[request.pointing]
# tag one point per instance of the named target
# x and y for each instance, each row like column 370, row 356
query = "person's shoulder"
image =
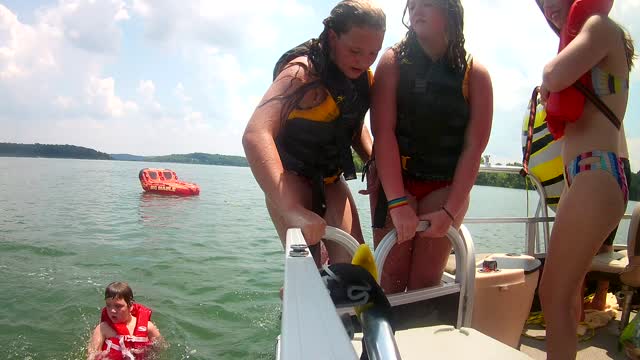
column 601, row 26
column 298, row 69
column 100, row 332
column 152, row 329
column 477, row 67
column 388, row 57
column 104, row 327
column 387, row 65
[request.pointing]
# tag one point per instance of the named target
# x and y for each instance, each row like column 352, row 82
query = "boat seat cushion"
column 446, row 342
column 610, row 262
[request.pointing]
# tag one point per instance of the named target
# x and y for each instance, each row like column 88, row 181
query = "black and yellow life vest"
column 316, row 142
column 433, row 114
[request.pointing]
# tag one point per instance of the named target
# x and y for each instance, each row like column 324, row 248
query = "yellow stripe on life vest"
column 327, row 111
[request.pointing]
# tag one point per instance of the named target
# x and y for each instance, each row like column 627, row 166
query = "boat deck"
column 604, row 345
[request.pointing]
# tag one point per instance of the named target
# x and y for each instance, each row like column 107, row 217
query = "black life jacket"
column 433, row 115
column 316, row 142
column 432, row 119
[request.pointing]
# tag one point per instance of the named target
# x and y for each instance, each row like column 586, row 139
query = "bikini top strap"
column 595, row 100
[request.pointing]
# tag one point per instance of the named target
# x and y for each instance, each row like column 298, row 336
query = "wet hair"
column 344, row 16
column 629, row 49
column 456, row 53
column 119, row 290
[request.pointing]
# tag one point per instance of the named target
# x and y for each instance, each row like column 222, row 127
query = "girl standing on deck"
column 431, row 114
column 596, row 53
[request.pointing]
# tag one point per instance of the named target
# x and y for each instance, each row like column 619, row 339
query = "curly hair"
column 456, row 53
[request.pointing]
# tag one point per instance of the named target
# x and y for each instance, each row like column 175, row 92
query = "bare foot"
column 595, row 304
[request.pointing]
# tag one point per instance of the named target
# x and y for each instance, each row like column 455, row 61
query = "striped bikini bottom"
column 608, row 161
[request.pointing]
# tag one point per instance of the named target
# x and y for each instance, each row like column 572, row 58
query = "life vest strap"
column 132, row 338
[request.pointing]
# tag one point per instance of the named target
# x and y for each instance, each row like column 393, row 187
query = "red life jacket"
column 128, row 346
column 567, row 105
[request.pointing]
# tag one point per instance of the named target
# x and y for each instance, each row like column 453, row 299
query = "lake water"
column 209, row 266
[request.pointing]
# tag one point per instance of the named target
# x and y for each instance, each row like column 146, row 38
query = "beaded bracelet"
column 447, row 212
column 395, row 203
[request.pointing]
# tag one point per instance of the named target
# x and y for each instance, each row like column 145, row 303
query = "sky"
column 157, row 77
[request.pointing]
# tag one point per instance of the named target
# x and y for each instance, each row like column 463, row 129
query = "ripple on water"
column 36, row 250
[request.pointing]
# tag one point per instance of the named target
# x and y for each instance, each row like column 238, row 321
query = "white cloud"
column 180, row 93
column 101, row 96
column 225, row 24
column 62, row 77
column 87, row 24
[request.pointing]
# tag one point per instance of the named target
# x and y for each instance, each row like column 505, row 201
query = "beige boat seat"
column 615, row 267
column 616, row 262
column 447, row 342
column 612, row 263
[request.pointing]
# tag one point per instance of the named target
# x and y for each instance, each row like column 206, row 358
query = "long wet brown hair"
column 456, row 53
column 344, row 16
column 629, row 49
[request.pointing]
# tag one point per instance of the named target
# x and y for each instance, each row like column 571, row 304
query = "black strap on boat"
column 318, row 206
column 533, row 108
column 381, row 210
column 318, row 195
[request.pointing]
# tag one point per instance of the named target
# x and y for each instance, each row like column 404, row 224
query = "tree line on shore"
column 516, row 181
column 513, row 181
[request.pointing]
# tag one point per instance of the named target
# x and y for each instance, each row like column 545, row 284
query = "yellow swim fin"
column 364, row 257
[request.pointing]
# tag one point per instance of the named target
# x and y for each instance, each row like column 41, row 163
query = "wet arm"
column 154, row 336
column 588, row 49
column 95, row 343
column 383, row 124
column 476, row 138
column 259, row 138
column 362, row 144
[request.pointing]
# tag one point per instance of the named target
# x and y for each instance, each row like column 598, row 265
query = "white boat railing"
column 533, row 242
column 311, row 328
column 464, row 279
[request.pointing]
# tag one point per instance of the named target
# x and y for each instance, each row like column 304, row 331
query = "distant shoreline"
column 79, row 152
column 512, row 181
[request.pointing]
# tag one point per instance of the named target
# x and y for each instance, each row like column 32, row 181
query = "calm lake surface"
column 209, row 266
